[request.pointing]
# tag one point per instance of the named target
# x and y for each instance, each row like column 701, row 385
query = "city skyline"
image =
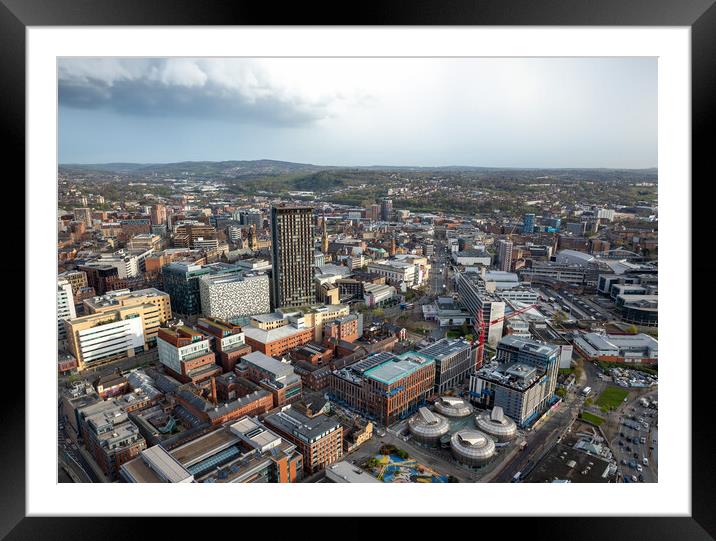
column 489, row 112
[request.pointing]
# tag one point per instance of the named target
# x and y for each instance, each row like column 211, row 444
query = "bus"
column 586, row 391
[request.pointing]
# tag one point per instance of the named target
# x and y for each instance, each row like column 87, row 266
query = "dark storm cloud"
column 192, row 88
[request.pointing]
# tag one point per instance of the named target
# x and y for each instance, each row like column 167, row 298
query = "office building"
column 504, row 255
column 194, row 234
column 319, row 439
column 521, row 380
column 235, row 295
column 158, row 214
column 76, row 278
column 528, row 224
column 385, row 387
column 479, row 302
column 65, row 307
column 279, row 341
column 276, row 377
column 103, row 337
column 243, row 451
column 109, row 434
column 181, row 281
column 229, row 340
column 618, row 348
column 156, row 307
column 386, row 209
column 454, row 360
column 292, row 253
column 83, row 215
column 186, row 354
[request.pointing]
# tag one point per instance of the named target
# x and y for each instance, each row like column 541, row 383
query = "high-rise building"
column 252, row 217
column 528, row 223
column 504, row 254
column 158, row 214
column 292, row 253
column 324, row 236
column 386, row 209
column 521, row 380
column 83, row 215
column 65, row 307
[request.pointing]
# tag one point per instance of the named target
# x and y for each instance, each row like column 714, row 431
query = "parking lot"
column 636, row 439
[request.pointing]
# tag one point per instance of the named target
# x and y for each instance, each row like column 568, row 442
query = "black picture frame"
column 699, row 15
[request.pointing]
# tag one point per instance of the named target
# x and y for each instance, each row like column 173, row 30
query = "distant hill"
column 181, row 169
column 254, row 169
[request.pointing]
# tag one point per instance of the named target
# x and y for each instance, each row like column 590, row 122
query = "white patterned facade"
column 237, row 295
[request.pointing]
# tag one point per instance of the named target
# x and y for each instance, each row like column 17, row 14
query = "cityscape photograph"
column 357, row 270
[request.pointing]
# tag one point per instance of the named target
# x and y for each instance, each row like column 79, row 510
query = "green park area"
column 611, row 398
column 591, row 418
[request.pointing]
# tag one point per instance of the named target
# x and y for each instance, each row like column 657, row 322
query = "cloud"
column 236, row 90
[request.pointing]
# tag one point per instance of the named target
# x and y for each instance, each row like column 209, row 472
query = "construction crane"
column 483, row 329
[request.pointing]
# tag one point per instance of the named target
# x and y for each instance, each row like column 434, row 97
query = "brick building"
column 319, row 438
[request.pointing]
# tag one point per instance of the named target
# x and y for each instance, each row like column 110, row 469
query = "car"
column 651, row 447
column 628, row 448
column 639, row 468
column 636, row 455
column 633, row 478
column 632, row 464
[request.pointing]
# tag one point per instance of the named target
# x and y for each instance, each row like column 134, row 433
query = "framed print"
column 273, row 259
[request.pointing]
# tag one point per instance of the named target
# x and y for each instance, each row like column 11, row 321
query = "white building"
column 395, row 272
column 375, row 294
column 472, row 257
column 172, row 356
column 473, row 296
column 128, row 264
column 235, row 295
column 111, row 339
column 65, row 307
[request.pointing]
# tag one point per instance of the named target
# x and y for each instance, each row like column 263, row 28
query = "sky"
column 492, row 112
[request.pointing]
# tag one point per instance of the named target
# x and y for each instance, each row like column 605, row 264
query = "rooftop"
column 398, row 367
column 309, row 428
column 272, row 335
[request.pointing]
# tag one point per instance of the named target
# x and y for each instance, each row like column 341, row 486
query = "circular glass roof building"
column 427, row 427
column 497, row 425
column 451, row 406
column 472, row 447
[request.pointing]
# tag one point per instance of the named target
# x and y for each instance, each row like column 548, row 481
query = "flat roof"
column 159, row 460
column 201, row 447
column 399, row 367
column 294, row 422
column 265, row 337
column 445, row 348
column 267, row 363
column 348, row 473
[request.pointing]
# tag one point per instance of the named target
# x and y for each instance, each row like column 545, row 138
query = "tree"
column 632, row 329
